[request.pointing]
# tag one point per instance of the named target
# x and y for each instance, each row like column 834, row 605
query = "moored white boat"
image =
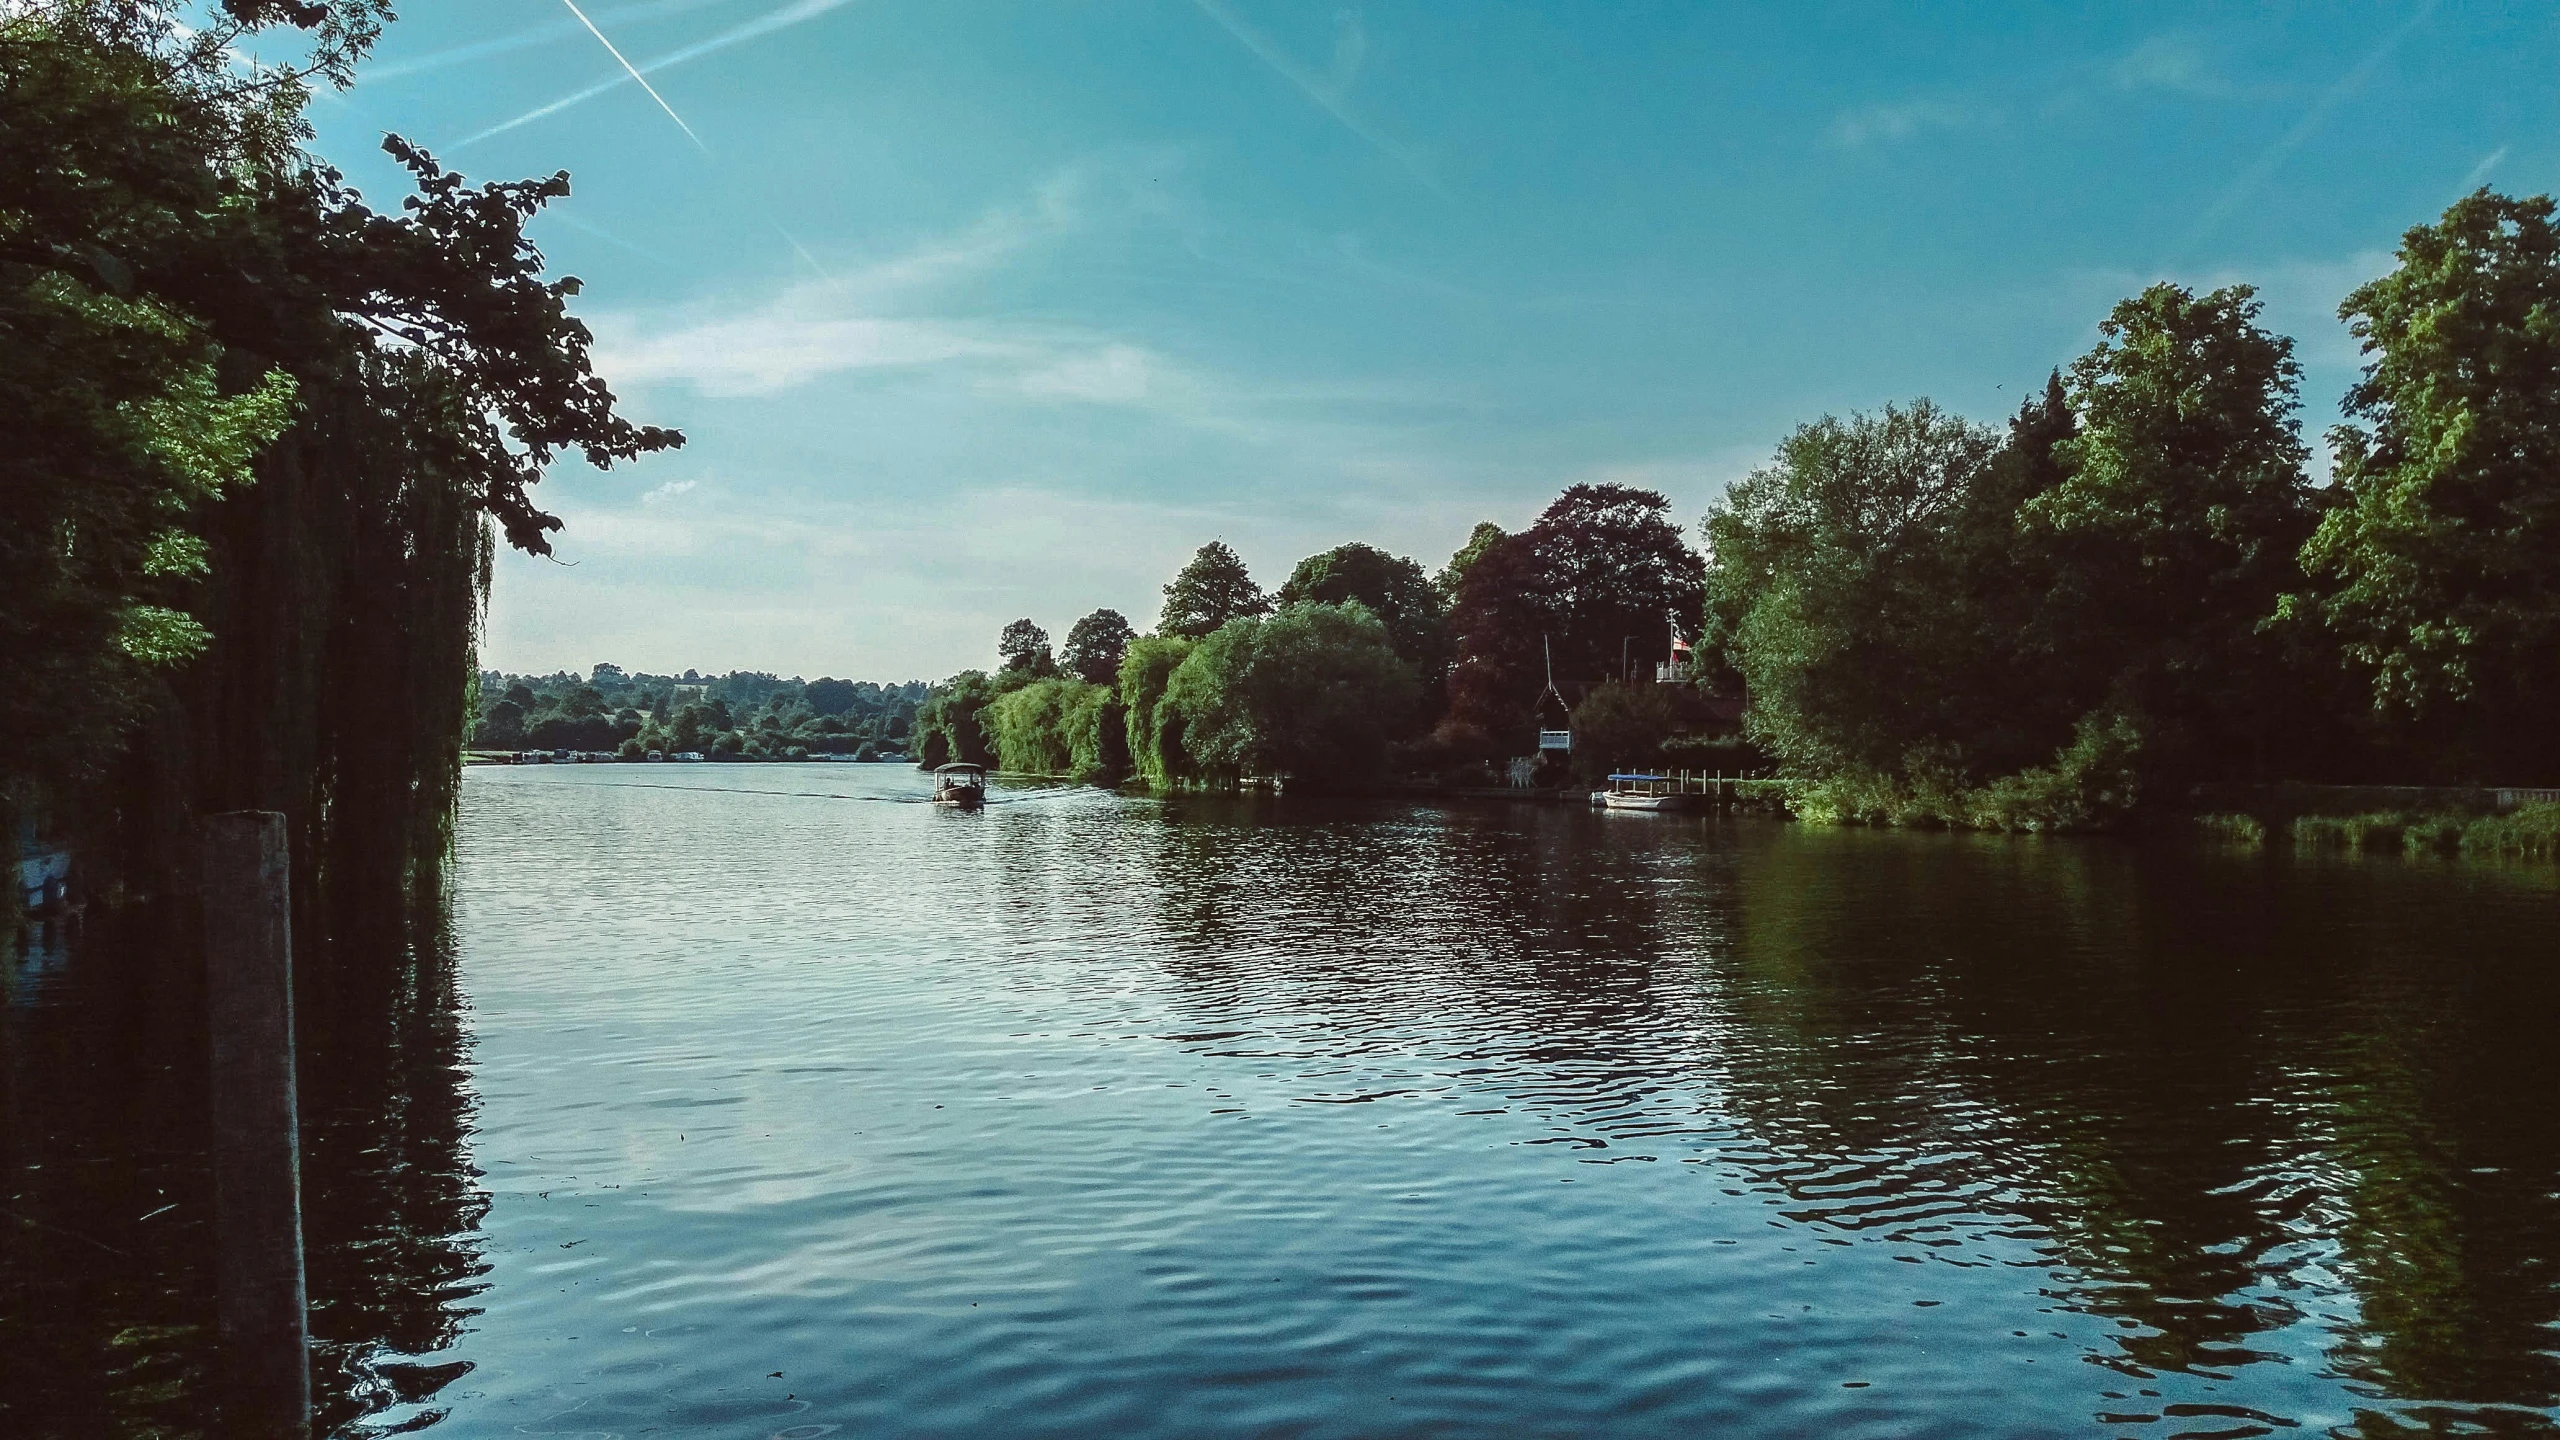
column 1653, row 793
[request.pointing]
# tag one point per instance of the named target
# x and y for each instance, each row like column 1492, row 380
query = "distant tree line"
column 1355, row 667
column 2132, row 587
column 743, row 715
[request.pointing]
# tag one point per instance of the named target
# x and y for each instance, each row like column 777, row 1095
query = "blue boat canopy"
column 1639, row 777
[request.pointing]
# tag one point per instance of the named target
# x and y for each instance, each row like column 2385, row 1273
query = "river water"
column 764, row 1101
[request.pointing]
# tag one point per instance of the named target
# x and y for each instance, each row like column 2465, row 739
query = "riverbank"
column 2529, row 831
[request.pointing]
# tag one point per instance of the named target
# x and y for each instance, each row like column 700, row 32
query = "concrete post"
column 257, row 1150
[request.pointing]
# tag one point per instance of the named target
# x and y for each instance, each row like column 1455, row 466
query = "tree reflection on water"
column 106, row 1294
column 2235, row 1126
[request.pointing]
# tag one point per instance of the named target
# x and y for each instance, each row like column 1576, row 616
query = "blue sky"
column 974, row 310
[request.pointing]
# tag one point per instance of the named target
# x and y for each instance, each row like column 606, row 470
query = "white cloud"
column 785, row 343
column 2175, row 63
column 1872, row 124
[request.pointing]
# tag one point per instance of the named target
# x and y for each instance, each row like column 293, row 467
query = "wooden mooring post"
column 257, row 1148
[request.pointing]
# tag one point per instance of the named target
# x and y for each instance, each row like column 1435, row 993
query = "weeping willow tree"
column 266, row 438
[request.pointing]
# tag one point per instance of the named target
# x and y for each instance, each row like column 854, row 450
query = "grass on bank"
column 2528, row 832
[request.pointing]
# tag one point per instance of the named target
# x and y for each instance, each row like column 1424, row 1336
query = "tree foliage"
column 1210, row 590
column 2176, row 524
column 1934, row 621
column 1600, row 583
column 1060, row 726
column 1480, row 541
column 1025, row 646
column 1392, row 588
column 1309, row 694
column 1619, row 725
column 1095, row 645
column 269, row 427
column 1843, row 590
column 2441, row 556
column 1154, row 729
column 948, row 730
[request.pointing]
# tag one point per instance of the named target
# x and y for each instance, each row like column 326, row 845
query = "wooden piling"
column 257, row 1151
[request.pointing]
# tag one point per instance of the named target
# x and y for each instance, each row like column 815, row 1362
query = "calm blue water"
column 778, row 1113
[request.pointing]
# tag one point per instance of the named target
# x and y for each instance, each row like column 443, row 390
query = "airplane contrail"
column 789, row 15
column 634, row 71
column 542, row 34
column 2265, row 166
column 1326, row 94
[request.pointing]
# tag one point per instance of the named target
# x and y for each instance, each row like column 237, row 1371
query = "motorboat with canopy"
column 961, row 785
column 1645, row 792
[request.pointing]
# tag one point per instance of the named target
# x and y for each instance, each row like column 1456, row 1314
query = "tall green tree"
column 948, row 730
column 1025, row 646
column 1621, row 725
column 1212, row 589
column 1094, row 647
column 1154, row 728
column 1843, row 591
column 1310, row 694
column 1058, row 726
column 2440, row 559
column 1392, row 587
column 176, row 270
column 2174, row 531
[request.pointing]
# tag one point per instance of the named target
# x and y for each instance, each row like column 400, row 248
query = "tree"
column 1211, row 590
column 1845, row 590
column 1154, row 729
column 1059, row 726
column 948, row 724
column 1393, row 588
column 1309, row 694
column 174, row 267
column 1621, row 725
column 1025, row 646
column 1480, row 541
column 1503, row 632
column 1617, row 575
column 503, row 727
column 2441, row 553
column 2174, row 531
column 828, row 696
column 1604, row 579
column 1095, row 645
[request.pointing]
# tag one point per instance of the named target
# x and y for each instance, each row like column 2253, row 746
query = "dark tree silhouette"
column 1212, row 589
column 1095, row 645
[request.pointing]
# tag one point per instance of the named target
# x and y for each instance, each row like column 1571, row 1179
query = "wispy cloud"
column 882, row 317
column 2247, row 184
column 2175, row 63
column 1873, row 124
column 1330, row 91
column 789, row 342
column 562, row 215
column 878, row 324
column 796, row 13
column 2481, row 172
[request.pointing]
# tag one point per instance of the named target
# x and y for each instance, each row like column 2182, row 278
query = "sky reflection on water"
column 1092, row 1115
